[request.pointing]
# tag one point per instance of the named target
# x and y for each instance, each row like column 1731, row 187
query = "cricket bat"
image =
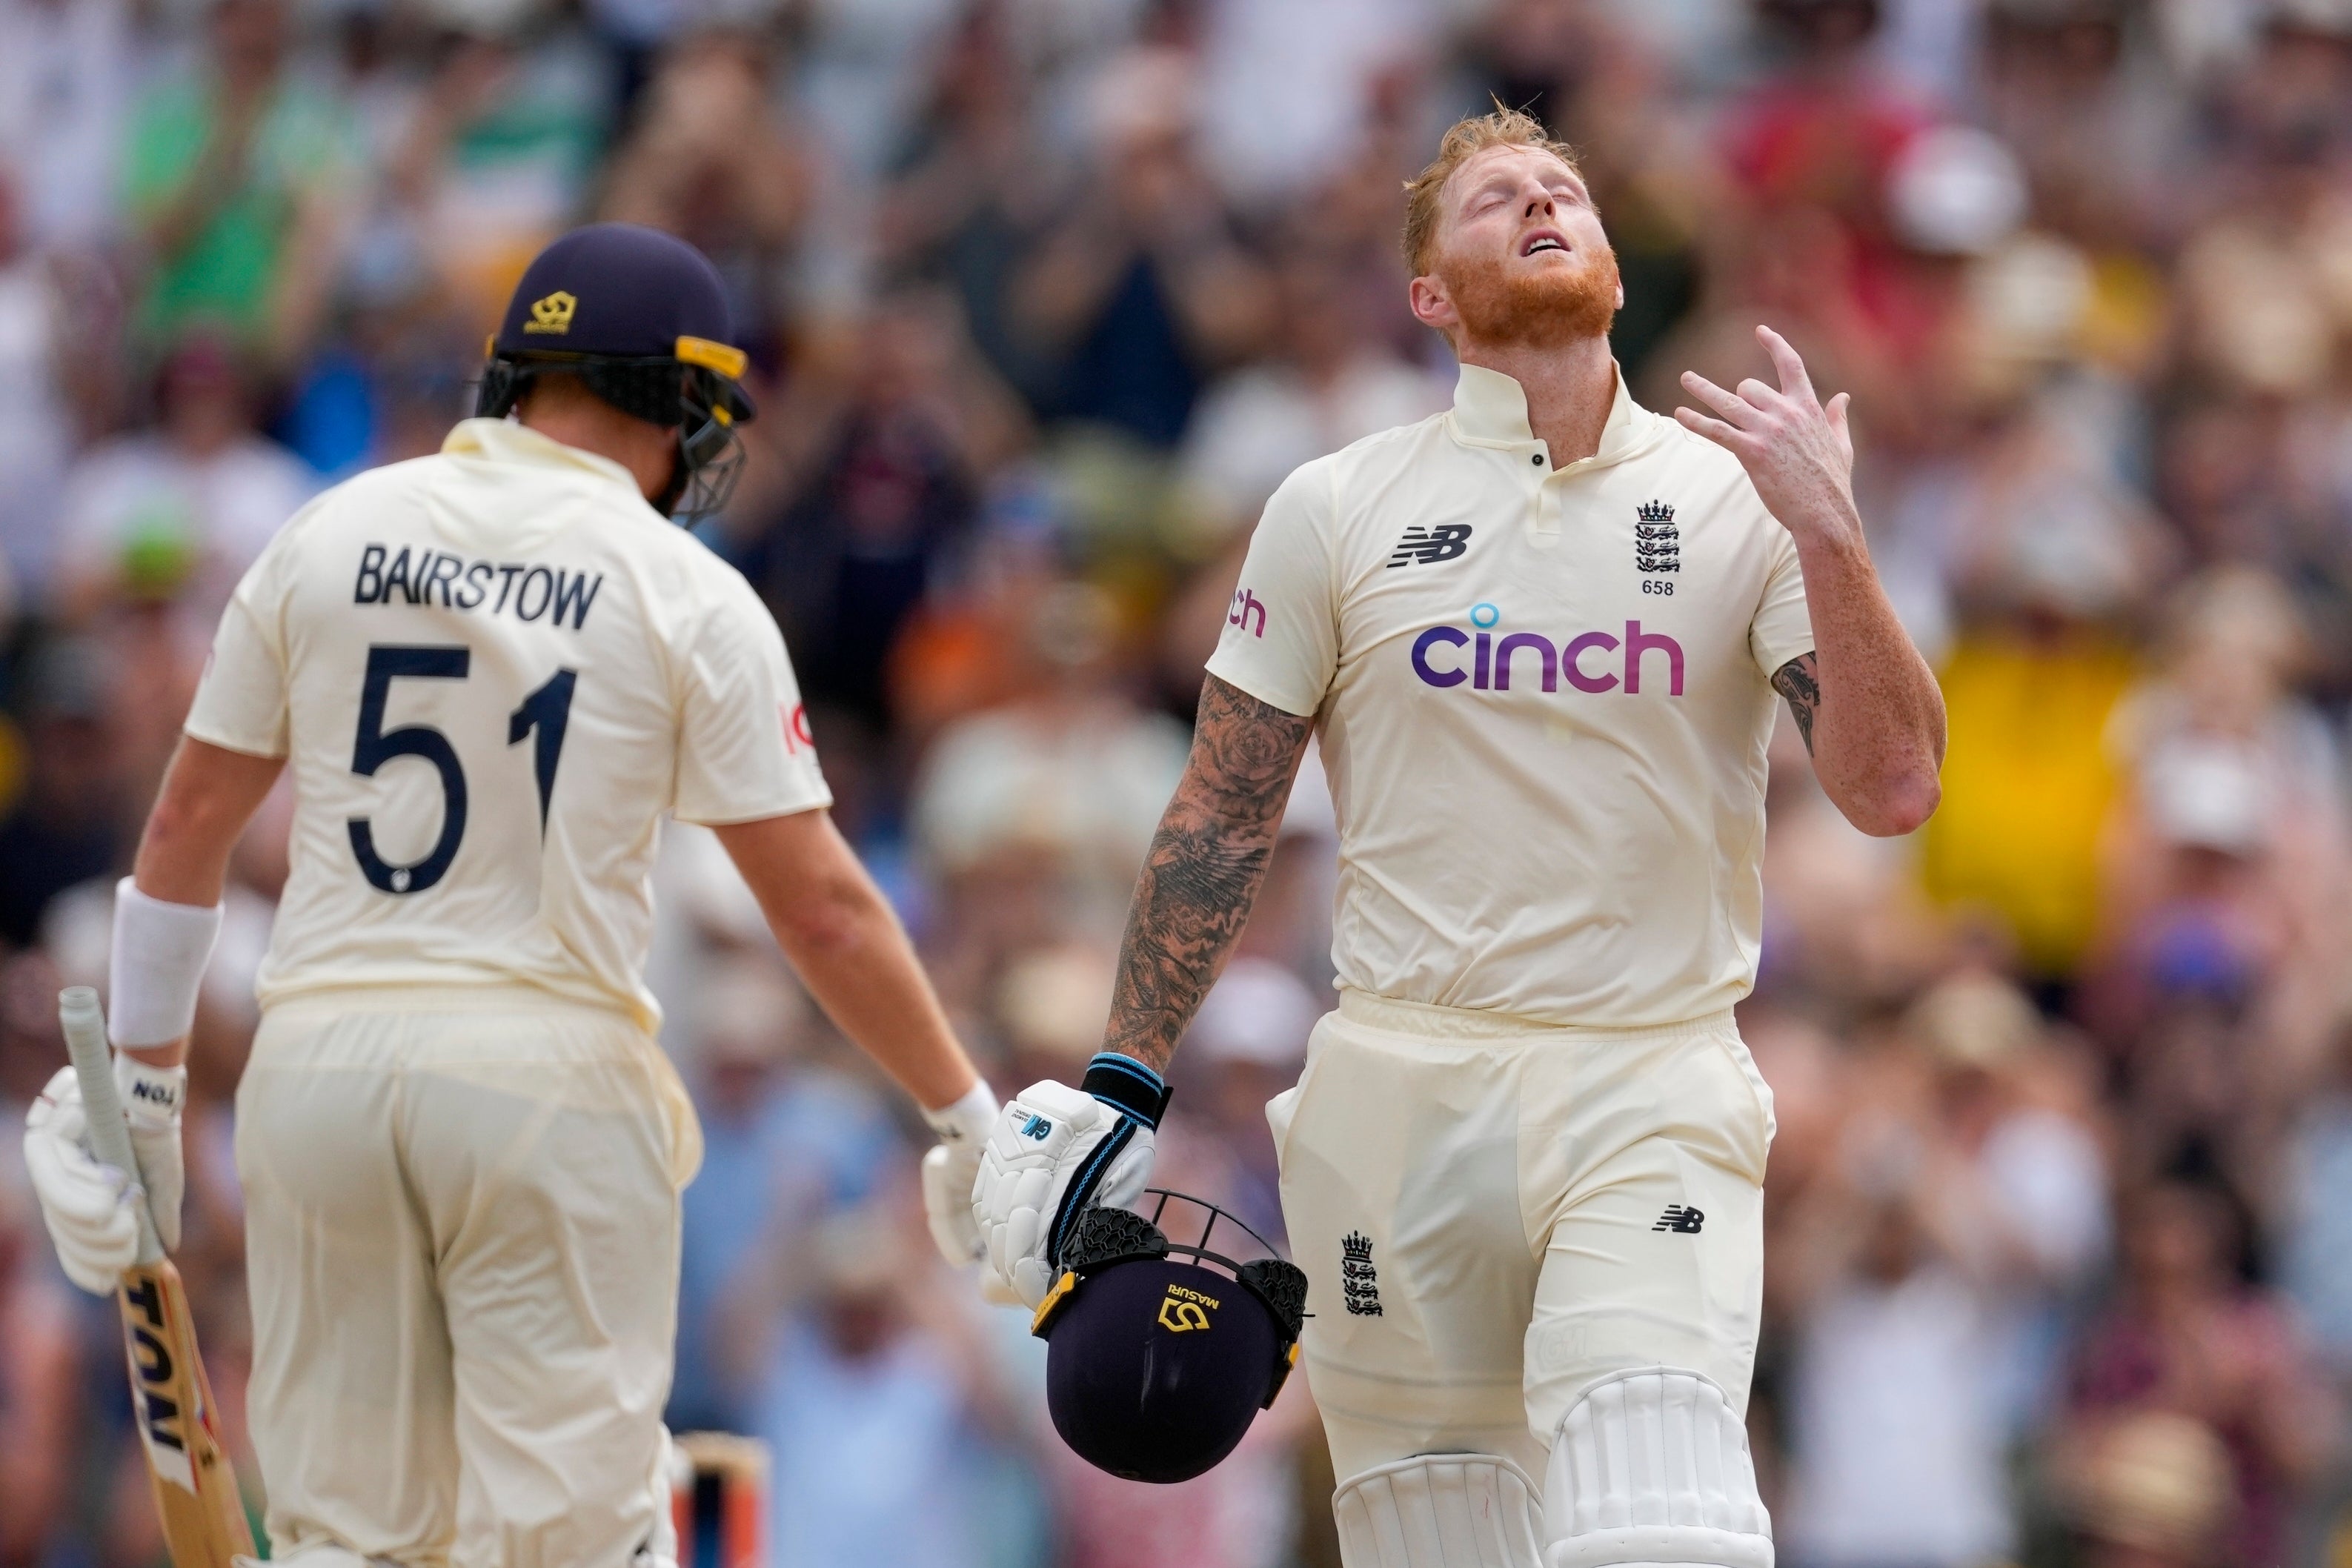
column 170, row 1402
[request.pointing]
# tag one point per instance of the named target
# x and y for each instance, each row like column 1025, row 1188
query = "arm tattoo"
column 1206, row 863
column 1799, row 680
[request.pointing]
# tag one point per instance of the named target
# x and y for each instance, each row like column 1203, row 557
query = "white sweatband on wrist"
column 969, row 1120
column 160, row 951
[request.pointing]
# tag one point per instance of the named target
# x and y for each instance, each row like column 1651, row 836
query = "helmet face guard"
column 1162, row 1353
column 694, row 392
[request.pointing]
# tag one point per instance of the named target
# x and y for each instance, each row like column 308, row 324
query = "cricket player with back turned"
column 491, row 672
column 1540, row 636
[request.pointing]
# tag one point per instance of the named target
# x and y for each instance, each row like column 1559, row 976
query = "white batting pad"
column 1439, row 1510
column 1653, row 1467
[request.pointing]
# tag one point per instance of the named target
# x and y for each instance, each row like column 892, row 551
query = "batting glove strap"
column 1128, row 1087
column 1140, row 1097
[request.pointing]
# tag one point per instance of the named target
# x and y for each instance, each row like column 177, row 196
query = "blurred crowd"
column 1043, row 297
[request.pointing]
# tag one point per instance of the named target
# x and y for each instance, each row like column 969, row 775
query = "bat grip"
column 109, row 1125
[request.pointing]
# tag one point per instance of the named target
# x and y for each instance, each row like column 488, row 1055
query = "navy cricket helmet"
column 1160, row 1354
column 641, row 318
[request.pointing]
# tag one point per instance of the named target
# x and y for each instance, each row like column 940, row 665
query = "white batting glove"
column 950, row 1169
column 88, row 1206
column 1057, row 1151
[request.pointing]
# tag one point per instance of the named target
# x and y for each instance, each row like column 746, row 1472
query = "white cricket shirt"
column 1543, row 697
column 492, row 671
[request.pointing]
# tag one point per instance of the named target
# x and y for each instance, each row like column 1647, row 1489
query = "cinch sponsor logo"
column 1590, row 661
column 1246, row 604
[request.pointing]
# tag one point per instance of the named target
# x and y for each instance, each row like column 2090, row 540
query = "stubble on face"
column 1540, row 307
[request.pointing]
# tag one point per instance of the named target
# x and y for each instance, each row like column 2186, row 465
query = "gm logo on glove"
column 1037, row 1127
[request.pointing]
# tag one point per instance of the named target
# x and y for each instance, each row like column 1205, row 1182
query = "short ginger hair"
column 1466, row 139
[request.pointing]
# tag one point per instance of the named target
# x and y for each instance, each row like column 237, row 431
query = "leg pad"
column 1652, row 1466
column 1439, row 1510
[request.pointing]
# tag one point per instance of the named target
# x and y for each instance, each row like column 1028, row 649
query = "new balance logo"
column 1358, row 1281
column 1658, row 543
column 1431, row 545
column 1683, row 1221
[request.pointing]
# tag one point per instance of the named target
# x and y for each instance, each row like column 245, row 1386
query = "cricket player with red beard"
column 1539, row 636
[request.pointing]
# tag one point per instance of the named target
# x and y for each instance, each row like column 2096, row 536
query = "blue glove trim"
column 1130, row 1087
column 1080, row 1195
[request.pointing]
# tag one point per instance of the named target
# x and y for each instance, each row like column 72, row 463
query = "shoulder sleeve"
column 1783, row 628
column 1281, row 641
column 744, row 751
column 240, row 703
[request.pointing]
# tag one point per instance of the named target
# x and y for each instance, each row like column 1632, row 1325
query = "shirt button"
column 1537, row 459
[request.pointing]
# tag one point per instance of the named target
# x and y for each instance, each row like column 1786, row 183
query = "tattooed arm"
column 1874, row 768
column 1206, row 863
column 1799, row 680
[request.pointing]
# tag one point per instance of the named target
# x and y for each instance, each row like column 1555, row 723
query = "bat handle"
column 110, row 1126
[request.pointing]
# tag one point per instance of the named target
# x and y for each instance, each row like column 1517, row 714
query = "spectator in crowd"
column 1069, row 781
column 2314, row 1224
column 1327, row 386
column 69, row 820
column 1927, row 1259
column 709, row 162
column 1139, row 292
column 174, row 517
column 499, row 150
column 68, row 69
column 881, row 1405
column 2182, row 1336
column 236, row 175
column 785, row 1143
column 2148, row 1491
column 36, row 421
column 872, row 494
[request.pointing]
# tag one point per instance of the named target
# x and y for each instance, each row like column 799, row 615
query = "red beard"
column 1540, row 309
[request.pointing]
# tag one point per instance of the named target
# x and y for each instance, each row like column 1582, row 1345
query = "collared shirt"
column 491, row 671
column 1543, row 698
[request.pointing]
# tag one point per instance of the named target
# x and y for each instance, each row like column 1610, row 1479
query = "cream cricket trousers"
column 462, row 1247
column 1494, row 1216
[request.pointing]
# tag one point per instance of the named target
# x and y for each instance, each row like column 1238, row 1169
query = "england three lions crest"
column 1657, row 544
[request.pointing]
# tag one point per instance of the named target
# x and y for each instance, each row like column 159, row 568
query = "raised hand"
column 1797, row 453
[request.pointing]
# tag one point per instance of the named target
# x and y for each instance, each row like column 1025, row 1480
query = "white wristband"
column 160, row 951
column 969, row 1120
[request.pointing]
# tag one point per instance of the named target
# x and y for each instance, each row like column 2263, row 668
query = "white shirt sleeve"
column 1281, row 641
column 744, row 749
column 240, row 703
column 1783, row 627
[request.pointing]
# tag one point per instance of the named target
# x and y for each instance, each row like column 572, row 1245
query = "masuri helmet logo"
column 1181, row 1311
column 553, row 313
